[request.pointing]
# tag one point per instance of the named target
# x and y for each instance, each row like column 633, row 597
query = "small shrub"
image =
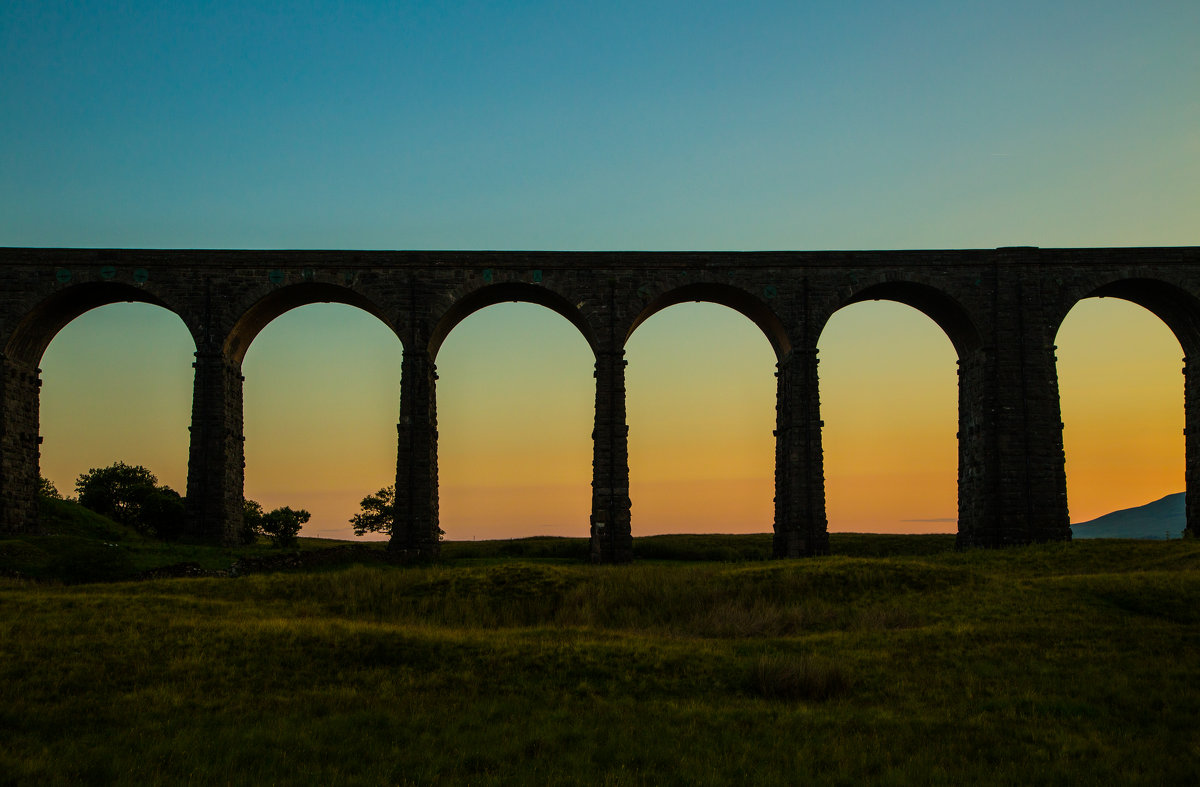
column 796, row 678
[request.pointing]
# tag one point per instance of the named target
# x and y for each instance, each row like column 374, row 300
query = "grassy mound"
column 75, row 545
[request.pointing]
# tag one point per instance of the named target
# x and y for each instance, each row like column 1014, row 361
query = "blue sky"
column 647, row 125
column 613, row 125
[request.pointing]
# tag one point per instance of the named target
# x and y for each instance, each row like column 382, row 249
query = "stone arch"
column 1177, row 308
column 940, row 307
column 293, row 296
column 889, row 412
column 38, row 328
column 489, row 295
column 727, row 295
column 702, row 391
column 20, row 386
column 957, row 324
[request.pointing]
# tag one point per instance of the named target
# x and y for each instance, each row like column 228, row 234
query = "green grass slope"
column 73, row 544
column 1052, row 664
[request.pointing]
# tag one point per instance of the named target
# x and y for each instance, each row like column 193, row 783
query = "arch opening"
column 889, row 407
column 1121, row 397
column 701, row 396
column 723, row 295
column 285, row 299
column 117, row 387
column 515, row 405
column 321, row 397
column 515, row 292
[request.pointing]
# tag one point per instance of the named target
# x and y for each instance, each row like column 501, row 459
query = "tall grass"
column 1048, row 664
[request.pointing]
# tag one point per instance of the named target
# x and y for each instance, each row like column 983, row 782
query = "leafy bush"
column 283, row 525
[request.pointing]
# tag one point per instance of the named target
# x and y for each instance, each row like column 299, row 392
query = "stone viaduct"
column 1000, row 308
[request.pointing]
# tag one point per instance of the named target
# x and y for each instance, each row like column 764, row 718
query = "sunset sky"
column 606, row 126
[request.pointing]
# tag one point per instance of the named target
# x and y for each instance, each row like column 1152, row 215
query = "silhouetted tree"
column 283, row 524
column 131, row 495
column 377, row 513
column 46, row 488
column 252, row 516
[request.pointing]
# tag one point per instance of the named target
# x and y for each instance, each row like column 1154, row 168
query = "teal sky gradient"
column 642, row 125
column 648, row 125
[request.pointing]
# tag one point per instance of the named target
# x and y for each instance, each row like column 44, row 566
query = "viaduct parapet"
column 1000, row 308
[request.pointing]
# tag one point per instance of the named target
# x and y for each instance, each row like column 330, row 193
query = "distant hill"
column 1158, row 520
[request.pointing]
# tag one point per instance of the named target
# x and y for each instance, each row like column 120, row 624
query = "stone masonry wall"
column 1000, row 308
column 19, row 446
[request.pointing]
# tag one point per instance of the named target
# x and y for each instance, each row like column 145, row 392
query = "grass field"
column 896, row 661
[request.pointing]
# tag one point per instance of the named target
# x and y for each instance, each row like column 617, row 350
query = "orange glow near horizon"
column 700, row 401
column 117, row 387
column 515, row 399
column 889, row 400
column 321, row 403
column 1121, row 388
